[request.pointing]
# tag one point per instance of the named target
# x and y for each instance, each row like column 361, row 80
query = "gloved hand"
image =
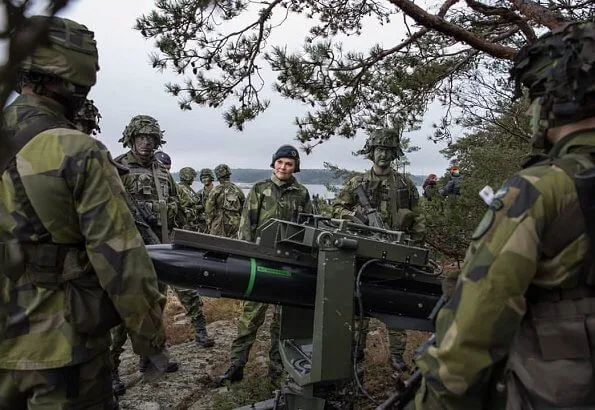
column 360, row 218
column 157, row 365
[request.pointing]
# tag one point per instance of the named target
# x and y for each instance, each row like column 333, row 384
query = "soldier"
column 206, row 177
column 188, row 199
column 153, row 192
column 395, row 197
column 87, row 118
column 164, row 159
column 281, row 197
column 73, row 264
column 191, row 298
column 223, row 208
column 517, row 331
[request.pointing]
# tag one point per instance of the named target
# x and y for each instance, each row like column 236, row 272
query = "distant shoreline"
column 306, row 176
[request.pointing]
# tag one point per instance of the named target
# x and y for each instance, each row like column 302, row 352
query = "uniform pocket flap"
column 562, row 337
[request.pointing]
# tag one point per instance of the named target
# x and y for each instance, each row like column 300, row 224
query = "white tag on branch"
column 487, row 194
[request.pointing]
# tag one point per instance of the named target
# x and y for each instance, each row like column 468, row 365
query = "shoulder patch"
column 484, row 225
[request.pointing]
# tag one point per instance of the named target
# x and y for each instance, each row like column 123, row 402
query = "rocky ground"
column 193, row 387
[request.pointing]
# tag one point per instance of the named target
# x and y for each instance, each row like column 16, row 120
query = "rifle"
column 370, row 212
column 162, row 207
column 163, row 217
column 407, row 390
column 143, row 218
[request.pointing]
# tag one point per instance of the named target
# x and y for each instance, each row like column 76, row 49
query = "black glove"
column 360, row 218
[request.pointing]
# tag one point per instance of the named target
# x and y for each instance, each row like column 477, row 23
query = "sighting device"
column 323, row 272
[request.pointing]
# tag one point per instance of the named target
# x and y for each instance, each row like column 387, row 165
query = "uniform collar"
column 280, row 183
column 374, row 175
column 573, row 142
column 134, row 159
column 43, row 104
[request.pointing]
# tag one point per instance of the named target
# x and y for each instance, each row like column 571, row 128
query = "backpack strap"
column 13, row 143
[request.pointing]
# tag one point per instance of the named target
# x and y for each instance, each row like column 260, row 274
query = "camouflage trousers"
column 190, row 299
column 227, row 229
column 119, row 335
column 397, row 340
column 83, row 386
column 253, row 316
column 193, row 305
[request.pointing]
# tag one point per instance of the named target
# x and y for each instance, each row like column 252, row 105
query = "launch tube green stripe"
column 252, row 277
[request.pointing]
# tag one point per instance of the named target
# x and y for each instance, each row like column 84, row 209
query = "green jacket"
column 388, row 194
column 75, row 190
column 223, row 209
column 273, row 198
column 478, row 329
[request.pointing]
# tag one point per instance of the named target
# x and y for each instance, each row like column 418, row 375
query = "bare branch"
column 434, row 22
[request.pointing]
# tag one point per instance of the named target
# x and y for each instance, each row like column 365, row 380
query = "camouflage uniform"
column 190, row 298
column 139, row 182
column 188, row 199
column 67, row 230
column 223, row 208
column 87, row 118
column 396, row 198
column 140, row 185
column 267, row 199
column 518, row 330
column 203, row 194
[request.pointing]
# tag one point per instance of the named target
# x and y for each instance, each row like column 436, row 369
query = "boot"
column 235, row 373
column 202, row 338
column 143, row 363
column 117, row 384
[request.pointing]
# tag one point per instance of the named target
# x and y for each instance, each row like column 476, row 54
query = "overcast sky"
column 127, row 85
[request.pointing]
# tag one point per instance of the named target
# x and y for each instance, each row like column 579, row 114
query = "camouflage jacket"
column 387, row 194
column 74, row 189
column 223, row 209
column 273, row 198
column 507, row 266
column 140, row 184
column 189, row 206
column 203, row 194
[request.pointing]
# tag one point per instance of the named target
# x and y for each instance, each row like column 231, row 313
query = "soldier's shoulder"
column 545, row 176
column 69, row 141
column 123, row 158
column 354, row 181
column 216, row 189
column 406, row 177
column 301, row 187
column 545, row 182
column 262, row 184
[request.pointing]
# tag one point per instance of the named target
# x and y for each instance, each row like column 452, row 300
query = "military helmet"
column 163, row 158
column 382, row 137
column 222, row 171
column 87, row 118
column 207, row 172
column 558, row 70
column 70, row 54
column 141, row 124
column 187, row 174
column 287, row 151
